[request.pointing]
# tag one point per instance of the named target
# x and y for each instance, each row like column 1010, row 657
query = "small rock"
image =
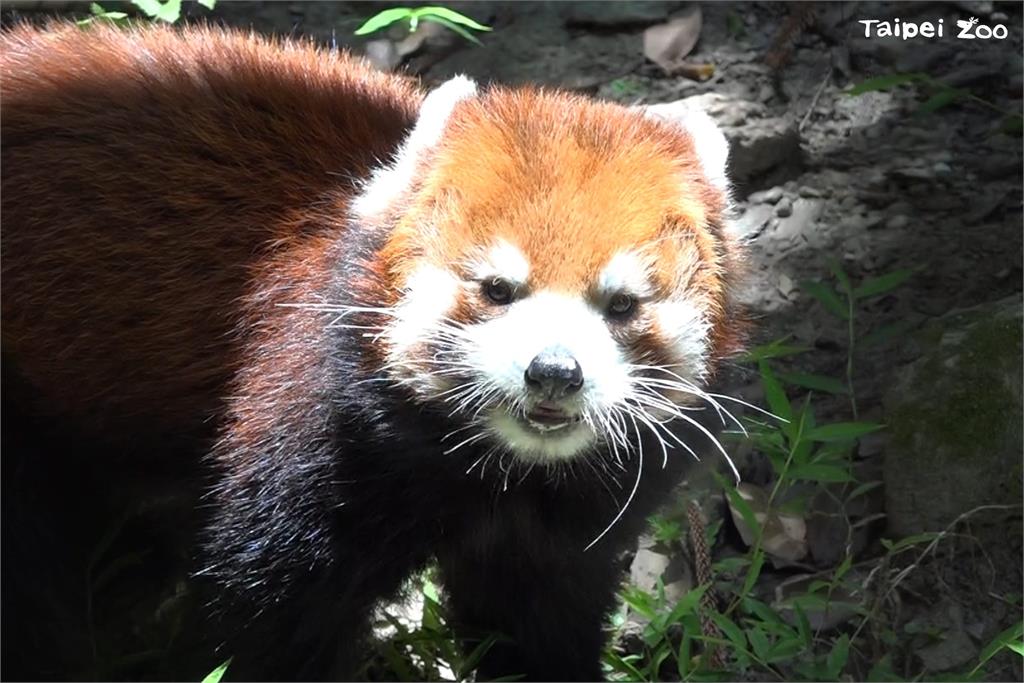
column 786, row 285
column 766, row 196
column 383, row 54
column 873, row 219
column 805, row 213
column 753, row 219
column 784, row 209
column 897, row 222
column 808, row 192
column 955, row 650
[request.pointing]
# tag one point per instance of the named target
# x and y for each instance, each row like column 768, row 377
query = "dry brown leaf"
column 784, row 536
column 668, row 44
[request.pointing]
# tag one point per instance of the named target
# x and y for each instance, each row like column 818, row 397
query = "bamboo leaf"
column 884, row 83
column 838, row 656
column 774, row 393
column 939, row 100
column 827, row 297
column 882, row 284
column 842, row 431
column 816, row 382
column 820, row 473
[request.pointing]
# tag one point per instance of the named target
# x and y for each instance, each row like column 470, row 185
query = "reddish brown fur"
column 571, row 182
column 121, row 324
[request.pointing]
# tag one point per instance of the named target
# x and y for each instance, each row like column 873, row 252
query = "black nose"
column 554, row 373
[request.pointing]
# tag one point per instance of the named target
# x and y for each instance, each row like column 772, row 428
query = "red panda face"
column 561, row 267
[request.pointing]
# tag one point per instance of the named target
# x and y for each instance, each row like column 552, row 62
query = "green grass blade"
column 884, row 83
column 828, row 298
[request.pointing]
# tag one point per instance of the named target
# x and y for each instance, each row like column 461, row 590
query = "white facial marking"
column 501, row 350
column 502, row 260
column 429, row 294
column 388, row 182
column 627, row 272
column 685, row 331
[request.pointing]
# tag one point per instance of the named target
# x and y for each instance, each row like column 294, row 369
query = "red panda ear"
column 387, row 183
column 709, row 141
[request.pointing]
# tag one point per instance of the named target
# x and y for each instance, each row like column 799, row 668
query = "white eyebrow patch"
column 502, row 260
column 627, row 271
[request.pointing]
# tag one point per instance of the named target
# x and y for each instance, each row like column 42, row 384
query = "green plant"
column 459, row 23
column 939, row 94
column 167, row 11
column 840, row 299
column 429, row 650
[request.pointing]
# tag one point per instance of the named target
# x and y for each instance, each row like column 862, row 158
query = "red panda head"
column 559, row 269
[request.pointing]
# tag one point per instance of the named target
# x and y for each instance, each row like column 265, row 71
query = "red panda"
column 471, row 327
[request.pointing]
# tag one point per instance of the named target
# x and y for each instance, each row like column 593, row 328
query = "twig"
column 814, row 101
column 904, row 573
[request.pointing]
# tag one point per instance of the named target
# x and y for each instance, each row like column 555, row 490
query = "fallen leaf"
column 784, row 536
column 668, row 44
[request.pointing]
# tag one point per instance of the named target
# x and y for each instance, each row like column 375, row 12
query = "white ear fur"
column 711, row 145
column 388, row 182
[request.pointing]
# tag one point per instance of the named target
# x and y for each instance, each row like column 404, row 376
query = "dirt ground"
column 866, row 181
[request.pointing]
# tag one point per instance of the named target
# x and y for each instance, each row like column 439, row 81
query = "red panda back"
column 156, row 184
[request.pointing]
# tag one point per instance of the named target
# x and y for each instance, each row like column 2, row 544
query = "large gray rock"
column 954, row 419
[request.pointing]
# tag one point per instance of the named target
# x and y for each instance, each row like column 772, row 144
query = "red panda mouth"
column 548, row 417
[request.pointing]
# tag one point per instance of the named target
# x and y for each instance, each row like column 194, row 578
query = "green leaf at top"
column 819, row 472
column 453, row 27
column 816, row 382
column 208, row 4
column 382, row 19
column 882, row 284
column 774, row 349
column 218, row 673
column 169, row 11
column 884, row 83
column 449, row 15
column 842, row 431
column 828, row 298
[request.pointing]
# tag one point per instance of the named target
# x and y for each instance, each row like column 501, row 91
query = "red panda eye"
column 621, row 306
column 498, row 291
